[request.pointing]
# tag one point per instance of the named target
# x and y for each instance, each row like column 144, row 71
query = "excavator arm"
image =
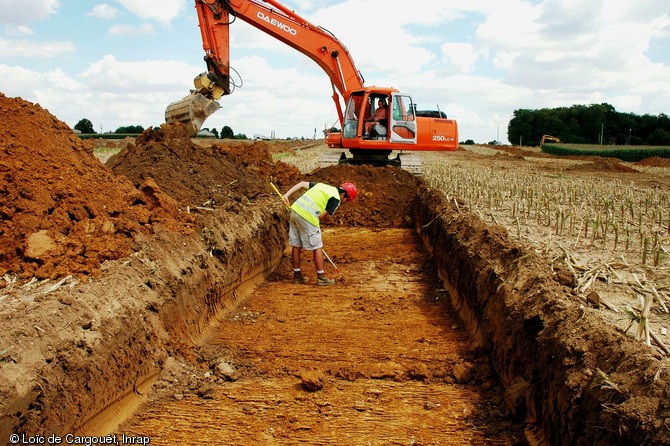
column 215, row 17
column 548, row 137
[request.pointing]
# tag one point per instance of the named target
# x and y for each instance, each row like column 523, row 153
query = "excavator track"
column 411, row 162
column 331, row 157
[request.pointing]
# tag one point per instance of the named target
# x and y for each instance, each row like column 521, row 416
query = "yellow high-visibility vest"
column 313, row 202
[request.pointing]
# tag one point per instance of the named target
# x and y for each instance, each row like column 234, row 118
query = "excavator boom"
column 215, row 17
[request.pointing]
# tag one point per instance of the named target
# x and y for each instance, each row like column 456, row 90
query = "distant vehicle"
column 546, row 137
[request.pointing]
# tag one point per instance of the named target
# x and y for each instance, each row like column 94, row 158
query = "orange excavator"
column 402, row 129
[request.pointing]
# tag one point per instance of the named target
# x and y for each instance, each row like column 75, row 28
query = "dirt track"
column 113, row 277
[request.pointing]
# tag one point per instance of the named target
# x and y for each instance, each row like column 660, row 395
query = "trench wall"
column 156, row 303
column 545, row 347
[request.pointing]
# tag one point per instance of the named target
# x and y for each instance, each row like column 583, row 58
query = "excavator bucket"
column 192, row 111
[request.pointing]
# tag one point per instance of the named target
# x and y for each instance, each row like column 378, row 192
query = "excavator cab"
column 377, row 116
column 399, row 125
column 352, row 114
column 371, row 141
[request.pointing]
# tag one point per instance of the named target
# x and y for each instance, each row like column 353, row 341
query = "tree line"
column 592, row 124
column 85, row 126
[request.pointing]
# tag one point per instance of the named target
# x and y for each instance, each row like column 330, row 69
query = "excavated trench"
column 439, row 333
column 378, row 359
column 440, row 330
column 443, row 333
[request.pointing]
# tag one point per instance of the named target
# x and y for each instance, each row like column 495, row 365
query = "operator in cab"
column 378, row 117
column 307, row 211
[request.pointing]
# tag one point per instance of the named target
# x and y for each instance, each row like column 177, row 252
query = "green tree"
column 664, row 122
column 520, row 128
column 84, row 126
column 659, row 137
column 227, row 132
column 130, row 129
column 591, row 124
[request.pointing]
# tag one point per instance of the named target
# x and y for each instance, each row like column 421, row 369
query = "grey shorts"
column 303, row 234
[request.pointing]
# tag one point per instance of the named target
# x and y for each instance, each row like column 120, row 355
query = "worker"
column 379, row 116
column 307, row 212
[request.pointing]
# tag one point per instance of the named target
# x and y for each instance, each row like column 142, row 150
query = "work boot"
column 324, row 281
column 300, row 279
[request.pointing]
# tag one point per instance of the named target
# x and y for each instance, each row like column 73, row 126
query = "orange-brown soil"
column 163, row 276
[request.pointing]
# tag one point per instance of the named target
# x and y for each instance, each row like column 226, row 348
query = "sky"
column 121, row 62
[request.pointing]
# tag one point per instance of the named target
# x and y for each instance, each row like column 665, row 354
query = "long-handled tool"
column 287, row 207
column 280, row 195
column 331, row 262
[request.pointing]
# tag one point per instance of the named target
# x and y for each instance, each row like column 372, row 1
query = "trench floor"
column 389, row 360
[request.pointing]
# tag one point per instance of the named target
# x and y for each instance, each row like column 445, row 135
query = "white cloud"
column 38, row 87
column 19, row 30
column 162, row 11
column 287, row 101
column 114, row 76
column 460, row 56
column 30, row 48
column 13, row 12
column 477, row 60
column 18, row 81
column 145, row 29
column 110, row 93
column 103, row 11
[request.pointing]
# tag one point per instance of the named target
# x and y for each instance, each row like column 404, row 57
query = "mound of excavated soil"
column 215, row 177
column 62, row 211
column 385, row 195
column 602, row 165
column 227, row 175
column 654, row 161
